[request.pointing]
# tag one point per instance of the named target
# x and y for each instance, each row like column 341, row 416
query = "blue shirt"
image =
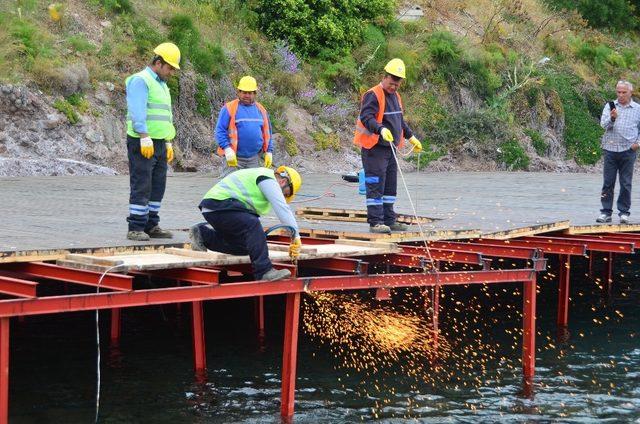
column 249, row 122
column 137, row 95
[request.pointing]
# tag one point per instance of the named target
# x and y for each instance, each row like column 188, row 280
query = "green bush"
column 145, row 36
column 311, row 28
column 582, row 130
column 342, row 74
column 443, row 48
column 117, row 6
column 67, row 109
column 325, row 141
column 208, row 59
column 513, row 156
column 32, row 42
column 80, row 44
column 538, row 142
column 203, row 107
column 290, row 144
column 481, row 127
column 79, row 101
column 426, row 156
column 617, row 15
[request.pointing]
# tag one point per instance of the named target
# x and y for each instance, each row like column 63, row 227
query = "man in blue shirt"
column 150, row 131
column 243, row 130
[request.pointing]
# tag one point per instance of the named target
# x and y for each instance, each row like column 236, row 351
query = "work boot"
column 398, row 226
column 603, row 218
column 276, row 274
column 138, row 236
column 380, row 229
column 196, row 239
column 157, row 232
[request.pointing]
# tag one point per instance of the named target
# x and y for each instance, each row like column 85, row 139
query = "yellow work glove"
column 169, row 151
column 146, row 147
column 294, row 248
column 268, row 159
column 417, row 146
column 230, row 156
column 386, row 134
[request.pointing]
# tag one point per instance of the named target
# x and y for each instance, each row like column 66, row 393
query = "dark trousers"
column 617, row 163
column 381, row 179
column 147, row 181
column 237, row 233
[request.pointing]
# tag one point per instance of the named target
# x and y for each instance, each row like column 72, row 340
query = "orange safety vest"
column 365, row 138
column 232, row 108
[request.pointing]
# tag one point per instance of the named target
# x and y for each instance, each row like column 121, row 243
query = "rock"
column 94, row 136
column 105, row 24
column 53, row 121
column 103, row 97
column 299, row 124
column 109, row 86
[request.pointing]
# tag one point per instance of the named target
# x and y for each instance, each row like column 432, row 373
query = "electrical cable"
column 98, row 375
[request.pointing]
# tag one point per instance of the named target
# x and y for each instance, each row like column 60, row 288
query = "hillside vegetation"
column 492, row 84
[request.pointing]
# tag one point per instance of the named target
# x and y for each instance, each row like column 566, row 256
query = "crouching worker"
column 233, row 206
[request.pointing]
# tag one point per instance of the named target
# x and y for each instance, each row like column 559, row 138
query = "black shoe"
column 276, row 274
column 196, row 239
column 398, row 226
column 138, row 236
column 157, row 232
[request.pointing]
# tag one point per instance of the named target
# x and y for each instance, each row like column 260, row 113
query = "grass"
column 67, row 110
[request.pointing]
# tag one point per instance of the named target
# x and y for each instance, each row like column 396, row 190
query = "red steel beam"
column 563, row 290
column 351, row 266
column 197, row 321
column 191, row 275
column 4, row 370
column 399, row 259
column 591, row 244
column 448, row 255
column 290, row 355
column 72, row 275
column 84, row 302
column 529, row 328
column 568, row 248
column 17, row 287
column 115, row 326
column 624, row 237
column 489, row 249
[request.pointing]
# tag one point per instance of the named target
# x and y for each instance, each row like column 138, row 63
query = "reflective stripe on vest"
column 362, row 136
column 159, row 115
column 241, row 185
column 232, row 108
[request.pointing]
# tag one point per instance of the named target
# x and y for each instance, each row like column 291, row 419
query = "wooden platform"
column 184, row 258
column 354, row 215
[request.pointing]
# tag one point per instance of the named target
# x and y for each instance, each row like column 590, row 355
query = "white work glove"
column 230, row 156
column 386, row 134
column 146, row 147
column 169, row 151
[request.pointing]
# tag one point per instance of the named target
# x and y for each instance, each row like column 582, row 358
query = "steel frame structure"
column 199, row 284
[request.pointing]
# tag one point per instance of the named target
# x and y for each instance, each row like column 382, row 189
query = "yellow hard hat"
column 396, row 67
column 294, row 178
column 170, row 53
column 247, row 83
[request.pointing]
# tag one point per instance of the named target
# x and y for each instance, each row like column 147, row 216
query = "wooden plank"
column 93, row 260
column 602, row 228
column 527, row 230
column 184, row 258
column 285, row 248
column 354, row 215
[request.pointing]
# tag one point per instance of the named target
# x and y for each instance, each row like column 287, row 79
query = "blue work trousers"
column 617, row 163
column 147, row 181
column 381, row 179
column 237, row 233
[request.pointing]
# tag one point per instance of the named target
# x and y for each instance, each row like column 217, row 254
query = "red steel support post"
column 610, row 272
column 200, row 358
column 4, row 370
column 290, row 355
column 563, row 290
column 529, row 328
column 115, row 326
column 260, row 314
